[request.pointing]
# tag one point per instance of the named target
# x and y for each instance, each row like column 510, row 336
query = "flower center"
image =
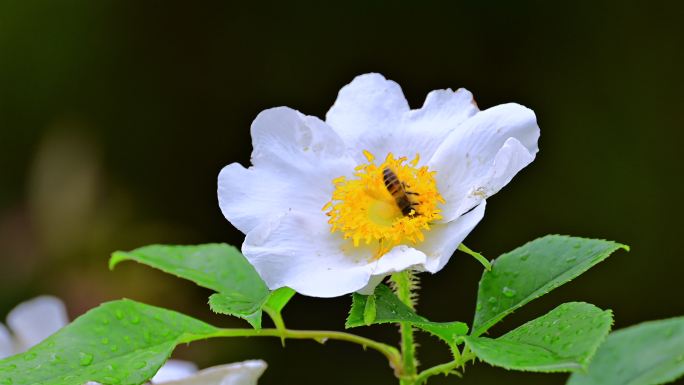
column 388, row 204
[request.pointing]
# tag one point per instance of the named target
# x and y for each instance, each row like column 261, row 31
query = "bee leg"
column 406, row 189
column 412, row 210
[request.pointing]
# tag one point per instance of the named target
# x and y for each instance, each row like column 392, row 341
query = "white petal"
column 372, row 114
column 6, row 343
column 34, row 320
column 365, row 110
column 372, row 283
column 241, row 373
column 295, row 161
column 483, row 155
column 174, row 370
column 511, row 158
column 285, row 138
column 424, row 130
column 298, row 251
column 398, row 259
column 443, row 239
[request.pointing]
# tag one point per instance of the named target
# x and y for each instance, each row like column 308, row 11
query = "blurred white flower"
column 31, row 322
column 240, row 373
column 331, row 207
column 34, row 320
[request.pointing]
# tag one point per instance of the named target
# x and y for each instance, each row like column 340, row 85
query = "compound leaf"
column 533, row 270
column 564, row 339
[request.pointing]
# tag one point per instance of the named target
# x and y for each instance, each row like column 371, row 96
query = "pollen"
column 385, row 205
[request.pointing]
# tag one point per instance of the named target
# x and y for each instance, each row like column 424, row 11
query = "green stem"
column 320, row 336
column 404, row 285
column 408, row 353
column 480, row 258
column 446, row 368
column 277, row 321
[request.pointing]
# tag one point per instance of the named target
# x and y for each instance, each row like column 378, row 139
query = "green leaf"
column 238, row 306
column 533, row 270
column 563, row 340
column 370, row 311
column 118, row 343
column 650, row 353
column 220, row 267
column 274, row 305
column 389, row 309
column 278, row 299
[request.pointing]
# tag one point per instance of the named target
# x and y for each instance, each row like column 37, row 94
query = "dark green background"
column 116, row 117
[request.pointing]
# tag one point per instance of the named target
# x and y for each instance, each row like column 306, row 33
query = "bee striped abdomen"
column 396, row 188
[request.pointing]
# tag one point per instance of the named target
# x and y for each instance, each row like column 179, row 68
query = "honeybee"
column 399, row 192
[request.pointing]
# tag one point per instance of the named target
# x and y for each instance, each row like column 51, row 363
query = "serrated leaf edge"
column 581, row 367
column 539, row 293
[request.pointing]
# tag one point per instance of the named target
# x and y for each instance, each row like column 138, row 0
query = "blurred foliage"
column 116, row 116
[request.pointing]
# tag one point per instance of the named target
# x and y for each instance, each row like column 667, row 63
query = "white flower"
column 31, row 322
column 34, row 320
column 323, row 215
column 176, row 372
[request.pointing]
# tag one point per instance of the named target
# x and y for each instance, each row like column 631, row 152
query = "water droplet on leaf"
column 111, row 380
column 508, row 292
column 85, row 359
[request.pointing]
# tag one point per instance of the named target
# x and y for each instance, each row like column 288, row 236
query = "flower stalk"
column 321, row 336
column 404, row 284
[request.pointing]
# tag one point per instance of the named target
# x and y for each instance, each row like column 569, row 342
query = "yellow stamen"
column 368, row 156
column 364, row 210
column 415, row 160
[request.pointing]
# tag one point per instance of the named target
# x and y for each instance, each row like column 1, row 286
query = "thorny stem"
column 404, row 363
column 446, row 368
column 320, row 336
column 404, row 283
